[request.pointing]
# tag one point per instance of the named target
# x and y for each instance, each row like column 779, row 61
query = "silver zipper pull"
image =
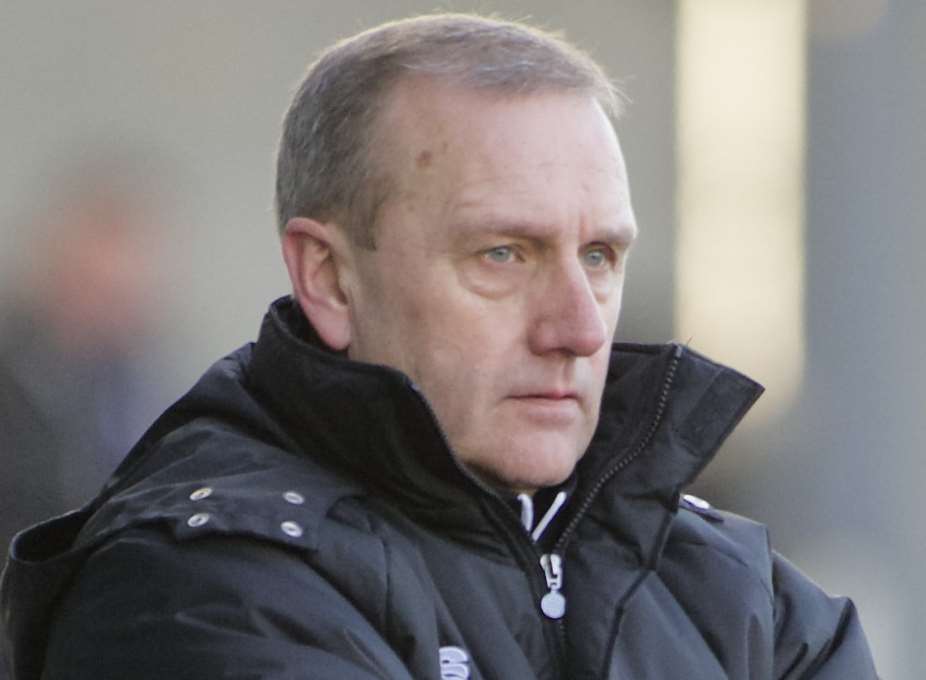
column 553, row 604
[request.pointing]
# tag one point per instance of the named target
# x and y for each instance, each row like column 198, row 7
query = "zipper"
column 546, row 591
column 525, row 550
column 553, row 604
column 619, row 465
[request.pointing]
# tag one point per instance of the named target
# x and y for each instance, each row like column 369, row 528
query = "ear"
column 315, row 254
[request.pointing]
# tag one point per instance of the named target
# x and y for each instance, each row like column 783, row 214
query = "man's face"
column 497, row 278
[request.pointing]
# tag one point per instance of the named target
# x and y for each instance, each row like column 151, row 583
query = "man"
column 432, row 463
column 77, row 383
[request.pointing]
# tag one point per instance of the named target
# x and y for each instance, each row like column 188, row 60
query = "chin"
column 525, row 463
column 535, row 474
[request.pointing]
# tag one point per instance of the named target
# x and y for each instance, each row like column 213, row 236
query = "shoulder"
column 713, row 546
column 212, row 606
column 725, row 562
column 236, row 540
column 209, row 478
column 699, row 521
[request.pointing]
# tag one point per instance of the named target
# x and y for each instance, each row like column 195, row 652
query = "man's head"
column 330, row 165
column 479, row 240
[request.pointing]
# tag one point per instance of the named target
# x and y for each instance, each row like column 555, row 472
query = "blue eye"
column 595, row 258
column 500, row 254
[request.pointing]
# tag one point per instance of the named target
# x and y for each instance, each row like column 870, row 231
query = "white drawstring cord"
column 550, row 514
column 527, row 511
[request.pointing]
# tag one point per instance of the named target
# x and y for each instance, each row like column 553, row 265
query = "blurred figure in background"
column 75, row 330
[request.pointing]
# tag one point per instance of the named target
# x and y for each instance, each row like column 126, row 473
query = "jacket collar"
column 367, row 420
column 371, row 421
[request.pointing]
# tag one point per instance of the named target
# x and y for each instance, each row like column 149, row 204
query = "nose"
column 568, row 318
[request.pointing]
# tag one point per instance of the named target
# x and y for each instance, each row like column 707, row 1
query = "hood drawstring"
column 527, row 513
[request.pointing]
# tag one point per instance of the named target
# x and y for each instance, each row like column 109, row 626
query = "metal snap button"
column 199, row 494
column 294, row 497
column 198, row 519
column 291, row 529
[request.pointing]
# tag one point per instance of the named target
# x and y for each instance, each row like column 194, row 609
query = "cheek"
column 448, row 340
column 594, row 381
column 613, row 307
column 458, row 378
column 461, row 331
column 389, row 318
column 432, row 348
column 454, row 395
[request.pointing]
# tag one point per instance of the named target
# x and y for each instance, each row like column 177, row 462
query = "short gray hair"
column 325, row 165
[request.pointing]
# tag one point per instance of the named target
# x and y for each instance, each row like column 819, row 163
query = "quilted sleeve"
column 816, row 636
column 147, row 607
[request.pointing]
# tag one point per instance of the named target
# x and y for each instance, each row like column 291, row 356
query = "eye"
column 500, row 254
column 597, row 257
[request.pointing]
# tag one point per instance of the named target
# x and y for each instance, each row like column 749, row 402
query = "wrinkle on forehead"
column 449, row 164
column 599, row 194
column 424, row 112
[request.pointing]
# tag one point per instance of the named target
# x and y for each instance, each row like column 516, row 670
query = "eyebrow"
column 622, row 234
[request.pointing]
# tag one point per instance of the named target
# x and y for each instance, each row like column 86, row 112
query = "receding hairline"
column 401, row 98
column 568, row 68
column 485, row 54
column 415, row 130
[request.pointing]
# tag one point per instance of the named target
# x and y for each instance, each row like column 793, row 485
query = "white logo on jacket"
column 454, row 664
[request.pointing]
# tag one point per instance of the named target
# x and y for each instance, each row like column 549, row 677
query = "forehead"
column 462, row 152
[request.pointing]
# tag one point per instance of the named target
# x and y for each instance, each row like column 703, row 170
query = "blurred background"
column 777, row 157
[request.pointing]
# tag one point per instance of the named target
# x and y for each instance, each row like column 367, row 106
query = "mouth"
column 548, row 408
column 549, row 395
column 549, row 400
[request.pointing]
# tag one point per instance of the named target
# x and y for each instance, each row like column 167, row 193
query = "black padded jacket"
column 299, row 515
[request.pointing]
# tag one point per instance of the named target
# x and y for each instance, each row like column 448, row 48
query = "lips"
column 551, row 395
column 548, row 409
